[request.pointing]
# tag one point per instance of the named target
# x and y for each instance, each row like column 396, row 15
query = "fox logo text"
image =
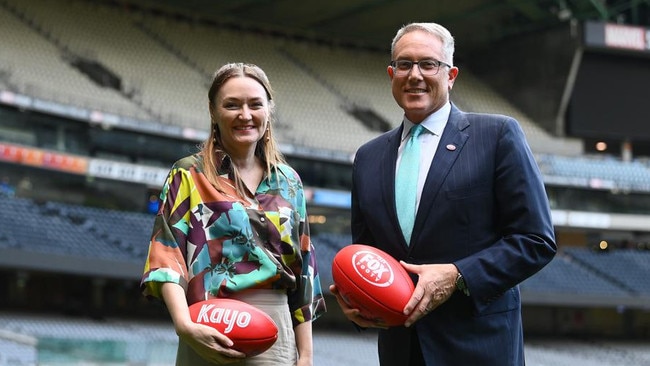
column 211, row 313
column 373, row 268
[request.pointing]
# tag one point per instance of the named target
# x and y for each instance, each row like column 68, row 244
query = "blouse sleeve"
column 306, row 302
column 166, row 260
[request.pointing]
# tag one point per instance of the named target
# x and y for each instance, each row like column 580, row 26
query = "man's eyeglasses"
column 427, row 67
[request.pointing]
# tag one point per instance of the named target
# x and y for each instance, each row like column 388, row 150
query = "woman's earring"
column 268, row 135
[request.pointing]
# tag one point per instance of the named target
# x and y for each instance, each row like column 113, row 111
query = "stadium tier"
column 317, row 86
column 83, row 233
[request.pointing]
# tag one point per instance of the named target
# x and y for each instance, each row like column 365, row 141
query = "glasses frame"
column 438, row 63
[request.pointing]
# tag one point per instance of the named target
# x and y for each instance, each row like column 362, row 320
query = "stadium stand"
column 17, row 354
column 137, row 342
column 143, row 343
column 302, row 99
column 104, row 35
column 121, row 236
column 317, row 88
column 628, row 268
column 47, row 74
column 75, row 230
column 318, row 82
column 585, row 353
column 475, row 96
column 565, row 276
column 632, row 175
column 70, row 230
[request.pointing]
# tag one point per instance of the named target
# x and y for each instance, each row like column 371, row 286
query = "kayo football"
column 251, row 330
column 372, row 281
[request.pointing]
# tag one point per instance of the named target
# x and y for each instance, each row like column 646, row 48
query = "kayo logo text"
column 211, row 313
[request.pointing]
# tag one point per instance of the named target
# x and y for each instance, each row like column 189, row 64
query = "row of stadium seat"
column 115, row 235
column 35, row 66
column 66, row 340
column 312, row 92
column 633, row 175
column 78, row 231
column 164, row 65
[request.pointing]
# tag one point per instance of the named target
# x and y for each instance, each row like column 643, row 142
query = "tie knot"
column 416, row 131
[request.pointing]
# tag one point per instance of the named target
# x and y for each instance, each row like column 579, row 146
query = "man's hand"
column 354, row 315
column 436, row 284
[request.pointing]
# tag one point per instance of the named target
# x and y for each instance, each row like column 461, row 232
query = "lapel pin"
column 451, row 147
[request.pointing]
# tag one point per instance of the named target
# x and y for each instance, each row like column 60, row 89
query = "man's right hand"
column 354, row 315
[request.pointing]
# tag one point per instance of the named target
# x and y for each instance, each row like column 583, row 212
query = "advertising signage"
column 614, row 37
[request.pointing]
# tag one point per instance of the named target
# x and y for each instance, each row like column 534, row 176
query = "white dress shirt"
column 433, row 125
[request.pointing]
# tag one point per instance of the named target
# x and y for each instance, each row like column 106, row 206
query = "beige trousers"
column 282, row 353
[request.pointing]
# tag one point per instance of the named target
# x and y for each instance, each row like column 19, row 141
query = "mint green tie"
column 406, row 183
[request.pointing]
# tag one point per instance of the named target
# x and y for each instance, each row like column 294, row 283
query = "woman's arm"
column 304, row 343
column 204, row 340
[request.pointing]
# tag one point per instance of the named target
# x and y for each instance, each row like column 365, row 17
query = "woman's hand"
column 208, row 343
column 204, row 340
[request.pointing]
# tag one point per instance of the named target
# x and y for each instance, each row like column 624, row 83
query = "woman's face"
column 242, row 113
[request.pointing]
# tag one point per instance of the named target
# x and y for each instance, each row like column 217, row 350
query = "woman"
column 232, row 223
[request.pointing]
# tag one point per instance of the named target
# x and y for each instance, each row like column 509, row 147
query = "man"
column 479, row 225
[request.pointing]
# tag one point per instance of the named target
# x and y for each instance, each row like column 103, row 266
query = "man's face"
column 417, row 94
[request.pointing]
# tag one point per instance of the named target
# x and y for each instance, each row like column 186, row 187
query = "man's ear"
column 453, row 73
column 390, row 72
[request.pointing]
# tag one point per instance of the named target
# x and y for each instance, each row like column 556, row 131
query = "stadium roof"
column 372, row 23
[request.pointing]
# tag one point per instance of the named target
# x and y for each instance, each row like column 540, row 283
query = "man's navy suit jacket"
column 483, row 208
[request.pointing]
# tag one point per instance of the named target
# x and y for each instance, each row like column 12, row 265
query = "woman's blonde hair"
column 212, row 150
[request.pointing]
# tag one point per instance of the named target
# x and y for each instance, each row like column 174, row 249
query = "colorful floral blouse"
column 215, row 243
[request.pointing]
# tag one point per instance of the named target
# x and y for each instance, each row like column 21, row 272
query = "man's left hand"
column 436, row 284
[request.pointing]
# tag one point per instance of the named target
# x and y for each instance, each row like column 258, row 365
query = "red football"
column 251, row 330
column 372, row 281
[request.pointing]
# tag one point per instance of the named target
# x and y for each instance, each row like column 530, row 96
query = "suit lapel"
column 388, row 176
column 451, row 143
